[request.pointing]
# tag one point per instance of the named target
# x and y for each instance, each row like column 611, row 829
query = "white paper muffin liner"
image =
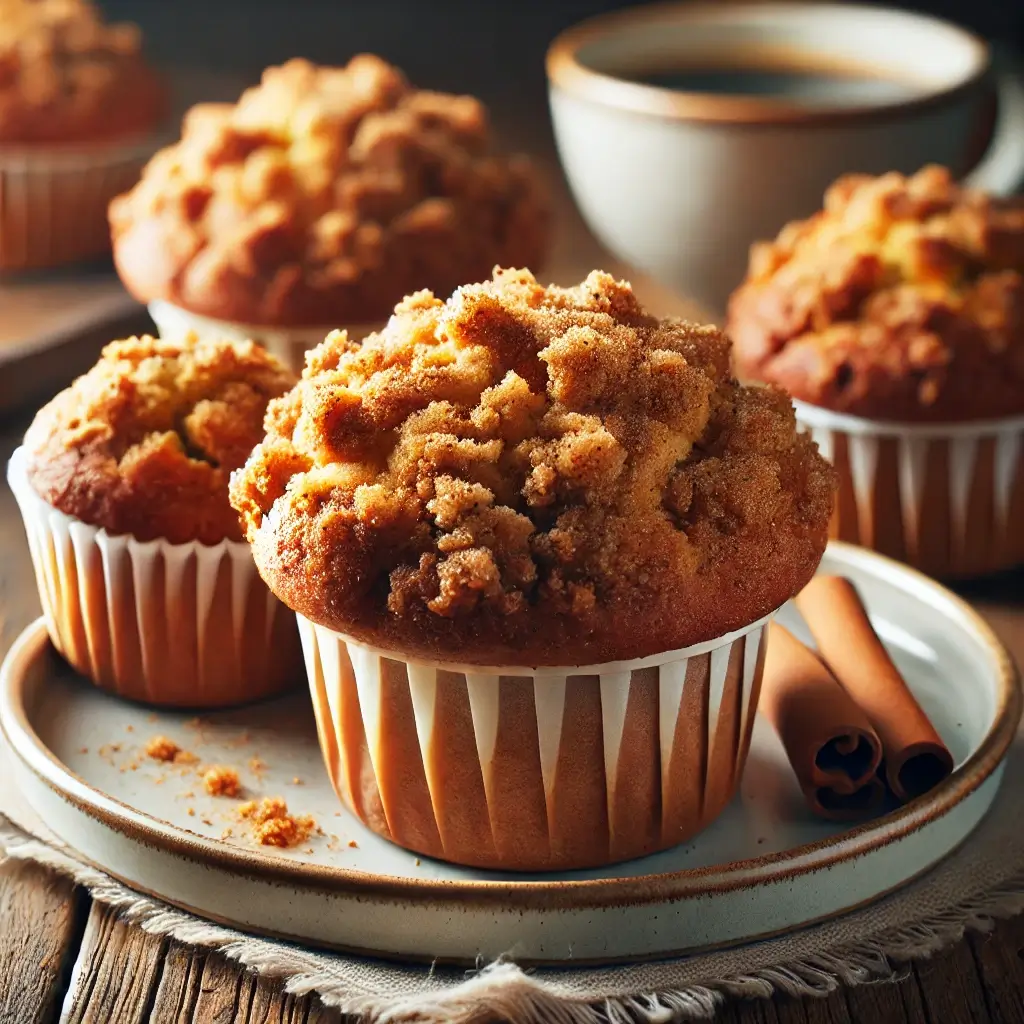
column 54, row 199
column 535, row 769
column 185, row 625
column 946, row 498
column 288, row 344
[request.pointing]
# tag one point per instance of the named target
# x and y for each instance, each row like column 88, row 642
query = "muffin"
column 78, row 106
column 319, row 200
column 146, row 584
column 895, row 317
column 533, row 536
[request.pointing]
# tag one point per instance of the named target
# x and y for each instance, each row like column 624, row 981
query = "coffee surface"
column 797, row 85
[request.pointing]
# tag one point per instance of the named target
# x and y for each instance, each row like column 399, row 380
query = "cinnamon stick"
column 916, row 759
column 828, row 739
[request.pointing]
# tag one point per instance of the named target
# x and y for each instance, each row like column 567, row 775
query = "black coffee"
column 796, row 85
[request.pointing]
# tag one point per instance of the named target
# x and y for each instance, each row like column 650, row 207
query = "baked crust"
column 66, row 76
column 903, row 299
column 322, row 197
column 532, row 476
column 143, row 444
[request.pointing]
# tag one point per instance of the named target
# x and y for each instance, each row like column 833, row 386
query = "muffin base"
column 288, row 344
column 945, row 498
column 535, row 769
column 53, row 200
column 182, row 625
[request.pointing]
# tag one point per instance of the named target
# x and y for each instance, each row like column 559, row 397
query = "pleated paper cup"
column 54, row 199
column 288, row 344
column 946, row 498
column 533, row 769
column 183, row 625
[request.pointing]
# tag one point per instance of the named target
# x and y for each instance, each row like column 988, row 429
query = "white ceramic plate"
column 765, row 866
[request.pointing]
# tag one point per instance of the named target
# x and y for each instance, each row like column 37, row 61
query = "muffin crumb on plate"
column 222, row 780
column 161, row 748
column 273, row 825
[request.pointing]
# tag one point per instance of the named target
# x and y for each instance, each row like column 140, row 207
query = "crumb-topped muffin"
column 67, row 76
column 143, row 444
column 530, row 475
column 902, row 300
column 122, row 482
column 322, row 197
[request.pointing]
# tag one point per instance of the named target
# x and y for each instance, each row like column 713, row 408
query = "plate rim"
column 512, row 894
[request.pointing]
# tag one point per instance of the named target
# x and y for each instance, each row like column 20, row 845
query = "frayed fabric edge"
column 502, row 989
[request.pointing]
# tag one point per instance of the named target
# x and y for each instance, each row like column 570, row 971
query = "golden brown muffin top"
column 525, row 475
column 66, row 76
column 903, row 299
column 144, row 443
column 322, row 197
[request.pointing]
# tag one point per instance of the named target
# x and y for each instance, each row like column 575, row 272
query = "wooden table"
column 64, row 957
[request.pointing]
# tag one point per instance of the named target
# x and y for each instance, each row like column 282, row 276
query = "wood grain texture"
column 951, row 987
column 999, row 958
column 39, row 916
column 896, row 1000
column 204, row 988
column 117, row 972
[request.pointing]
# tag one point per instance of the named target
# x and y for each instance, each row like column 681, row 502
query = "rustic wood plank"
column 913, row 999
column 998, row 957
column 831, row 1009
column 790, row 1010
column 884, row 1002
column 40, row 913
column 748, row 1011
column 206, row 988
column 221, row 993
column 180, row 984
column 116, row 975
column 951, row 988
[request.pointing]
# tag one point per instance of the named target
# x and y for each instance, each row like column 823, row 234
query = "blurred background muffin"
column 77, row 103
column 123, row 485
column 895, row 317
column 318, row 201
column 531, row 476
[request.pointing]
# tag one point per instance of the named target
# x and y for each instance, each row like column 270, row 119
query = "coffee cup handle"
column 1001, row 169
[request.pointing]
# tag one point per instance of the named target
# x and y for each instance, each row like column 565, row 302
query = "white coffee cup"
column 678, row 181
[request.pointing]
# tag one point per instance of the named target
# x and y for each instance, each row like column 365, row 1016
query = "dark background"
column 492, row 48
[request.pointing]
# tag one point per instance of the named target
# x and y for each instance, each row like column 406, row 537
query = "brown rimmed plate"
column 764, row 867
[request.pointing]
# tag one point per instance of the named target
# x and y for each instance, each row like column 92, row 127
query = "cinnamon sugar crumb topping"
column 522, row 467
column 161, row 748
column 273, row 825
column 902, row 299
column 144, row 442
column 66, row 75
column 222, row 780
column 324, row 195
